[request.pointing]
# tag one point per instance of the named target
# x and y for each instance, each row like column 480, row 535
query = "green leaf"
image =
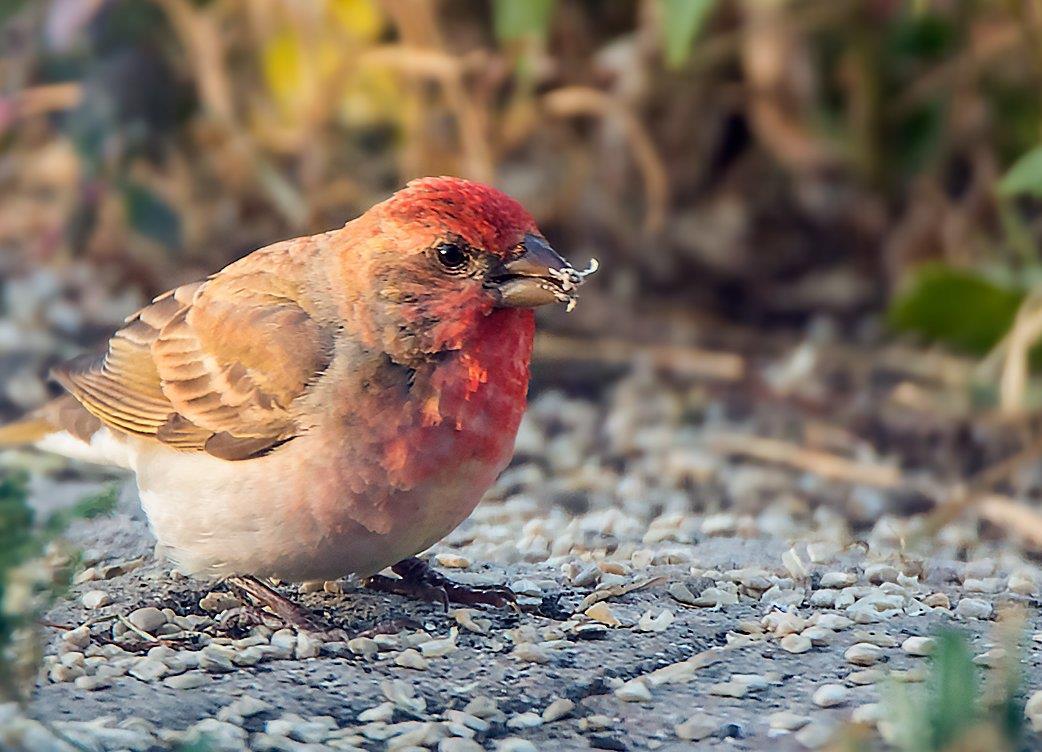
column 1025, row 176
column 149, row 215
column 681, row 22
column 515, row 19
column 958, row 307
column 16, row 520
column 952, row 705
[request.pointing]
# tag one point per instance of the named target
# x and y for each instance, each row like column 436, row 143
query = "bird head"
column 444, row 253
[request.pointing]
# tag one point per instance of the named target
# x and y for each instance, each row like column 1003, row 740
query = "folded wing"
column 215, row 366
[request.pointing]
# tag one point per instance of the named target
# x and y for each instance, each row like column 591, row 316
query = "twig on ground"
column 826, row 465
column 680, row 359
column 1023, row 523
column 137, row 630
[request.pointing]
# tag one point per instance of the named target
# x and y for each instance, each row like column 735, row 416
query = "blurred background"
column 816, row 219
column 818, row 314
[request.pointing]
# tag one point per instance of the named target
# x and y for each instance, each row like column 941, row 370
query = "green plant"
column 681, row 22
column 31, row 573
column 962, row 308
column 956, row 710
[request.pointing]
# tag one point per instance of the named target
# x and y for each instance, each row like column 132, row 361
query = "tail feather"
column 24, row 432
column 61, row 414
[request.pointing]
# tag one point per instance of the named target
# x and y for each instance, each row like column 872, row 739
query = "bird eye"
column 451, row 256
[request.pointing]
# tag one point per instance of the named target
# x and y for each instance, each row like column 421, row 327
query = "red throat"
column 475, row 393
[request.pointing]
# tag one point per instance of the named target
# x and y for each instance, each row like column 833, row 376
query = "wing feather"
column 214, row 366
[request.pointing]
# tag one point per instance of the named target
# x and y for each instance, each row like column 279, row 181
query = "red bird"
column 327, row 405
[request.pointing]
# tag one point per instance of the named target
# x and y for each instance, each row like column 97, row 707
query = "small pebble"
column 148, row 669
column 216, row 659
column 880, row 573
column 865, row 676
column 974, row 608
column 938, row 600
column 830, row 695
column 863, row 654
column 795, row 643
column 529, row 652
column 411, row 659
column 987, row 585
column 920, row 646
column 681, row 593
column 79, row 637
column 819, row 635
column 191, row 680
column 95, row 599
column 308, row 646
column 482, row 707
column 991, row 658
column 557, row 709
column 635, row 690
column 696, row 728
column 439, row 648
column 837, row 579
column 525, row 721
column 93, row 683
column 835, row 622
column 242, row 708
column 452, row 561
column 147, row 619
column 1033, row 711
column 822, row 552
column 650, row 623
column 215, row 602
column 602, row 613
column 794, row 564
column 365, row 646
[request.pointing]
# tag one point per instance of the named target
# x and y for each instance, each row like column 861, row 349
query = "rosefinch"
column 327, row 405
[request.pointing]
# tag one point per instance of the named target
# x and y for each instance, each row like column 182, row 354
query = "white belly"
column 283, row 515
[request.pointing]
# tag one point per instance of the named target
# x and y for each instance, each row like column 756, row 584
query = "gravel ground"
column 671, row 598
column 621, row 676
column 729, row 551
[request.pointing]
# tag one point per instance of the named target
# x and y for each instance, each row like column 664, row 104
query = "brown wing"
column 213, row 366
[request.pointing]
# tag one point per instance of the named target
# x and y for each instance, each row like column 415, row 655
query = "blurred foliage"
column 757, row 146
column 959, row 307
column 955, row 711
column 30, row 574
column 681, row 22
column 1025, row 176
column 515, row 19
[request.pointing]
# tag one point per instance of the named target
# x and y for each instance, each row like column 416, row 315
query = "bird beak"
column 537, row 277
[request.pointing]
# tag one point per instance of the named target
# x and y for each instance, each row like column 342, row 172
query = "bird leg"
column 296, row 615
column 418, row 580
column 291, row 613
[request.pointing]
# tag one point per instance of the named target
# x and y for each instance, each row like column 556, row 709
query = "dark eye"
column 452, row 256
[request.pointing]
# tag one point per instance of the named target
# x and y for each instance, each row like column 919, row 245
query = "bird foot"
column 291, row 613
column 418, row 580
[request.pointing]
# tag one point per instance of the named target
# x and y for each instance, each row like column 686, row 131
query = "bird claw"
column 292, row 614
column 418, row 580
